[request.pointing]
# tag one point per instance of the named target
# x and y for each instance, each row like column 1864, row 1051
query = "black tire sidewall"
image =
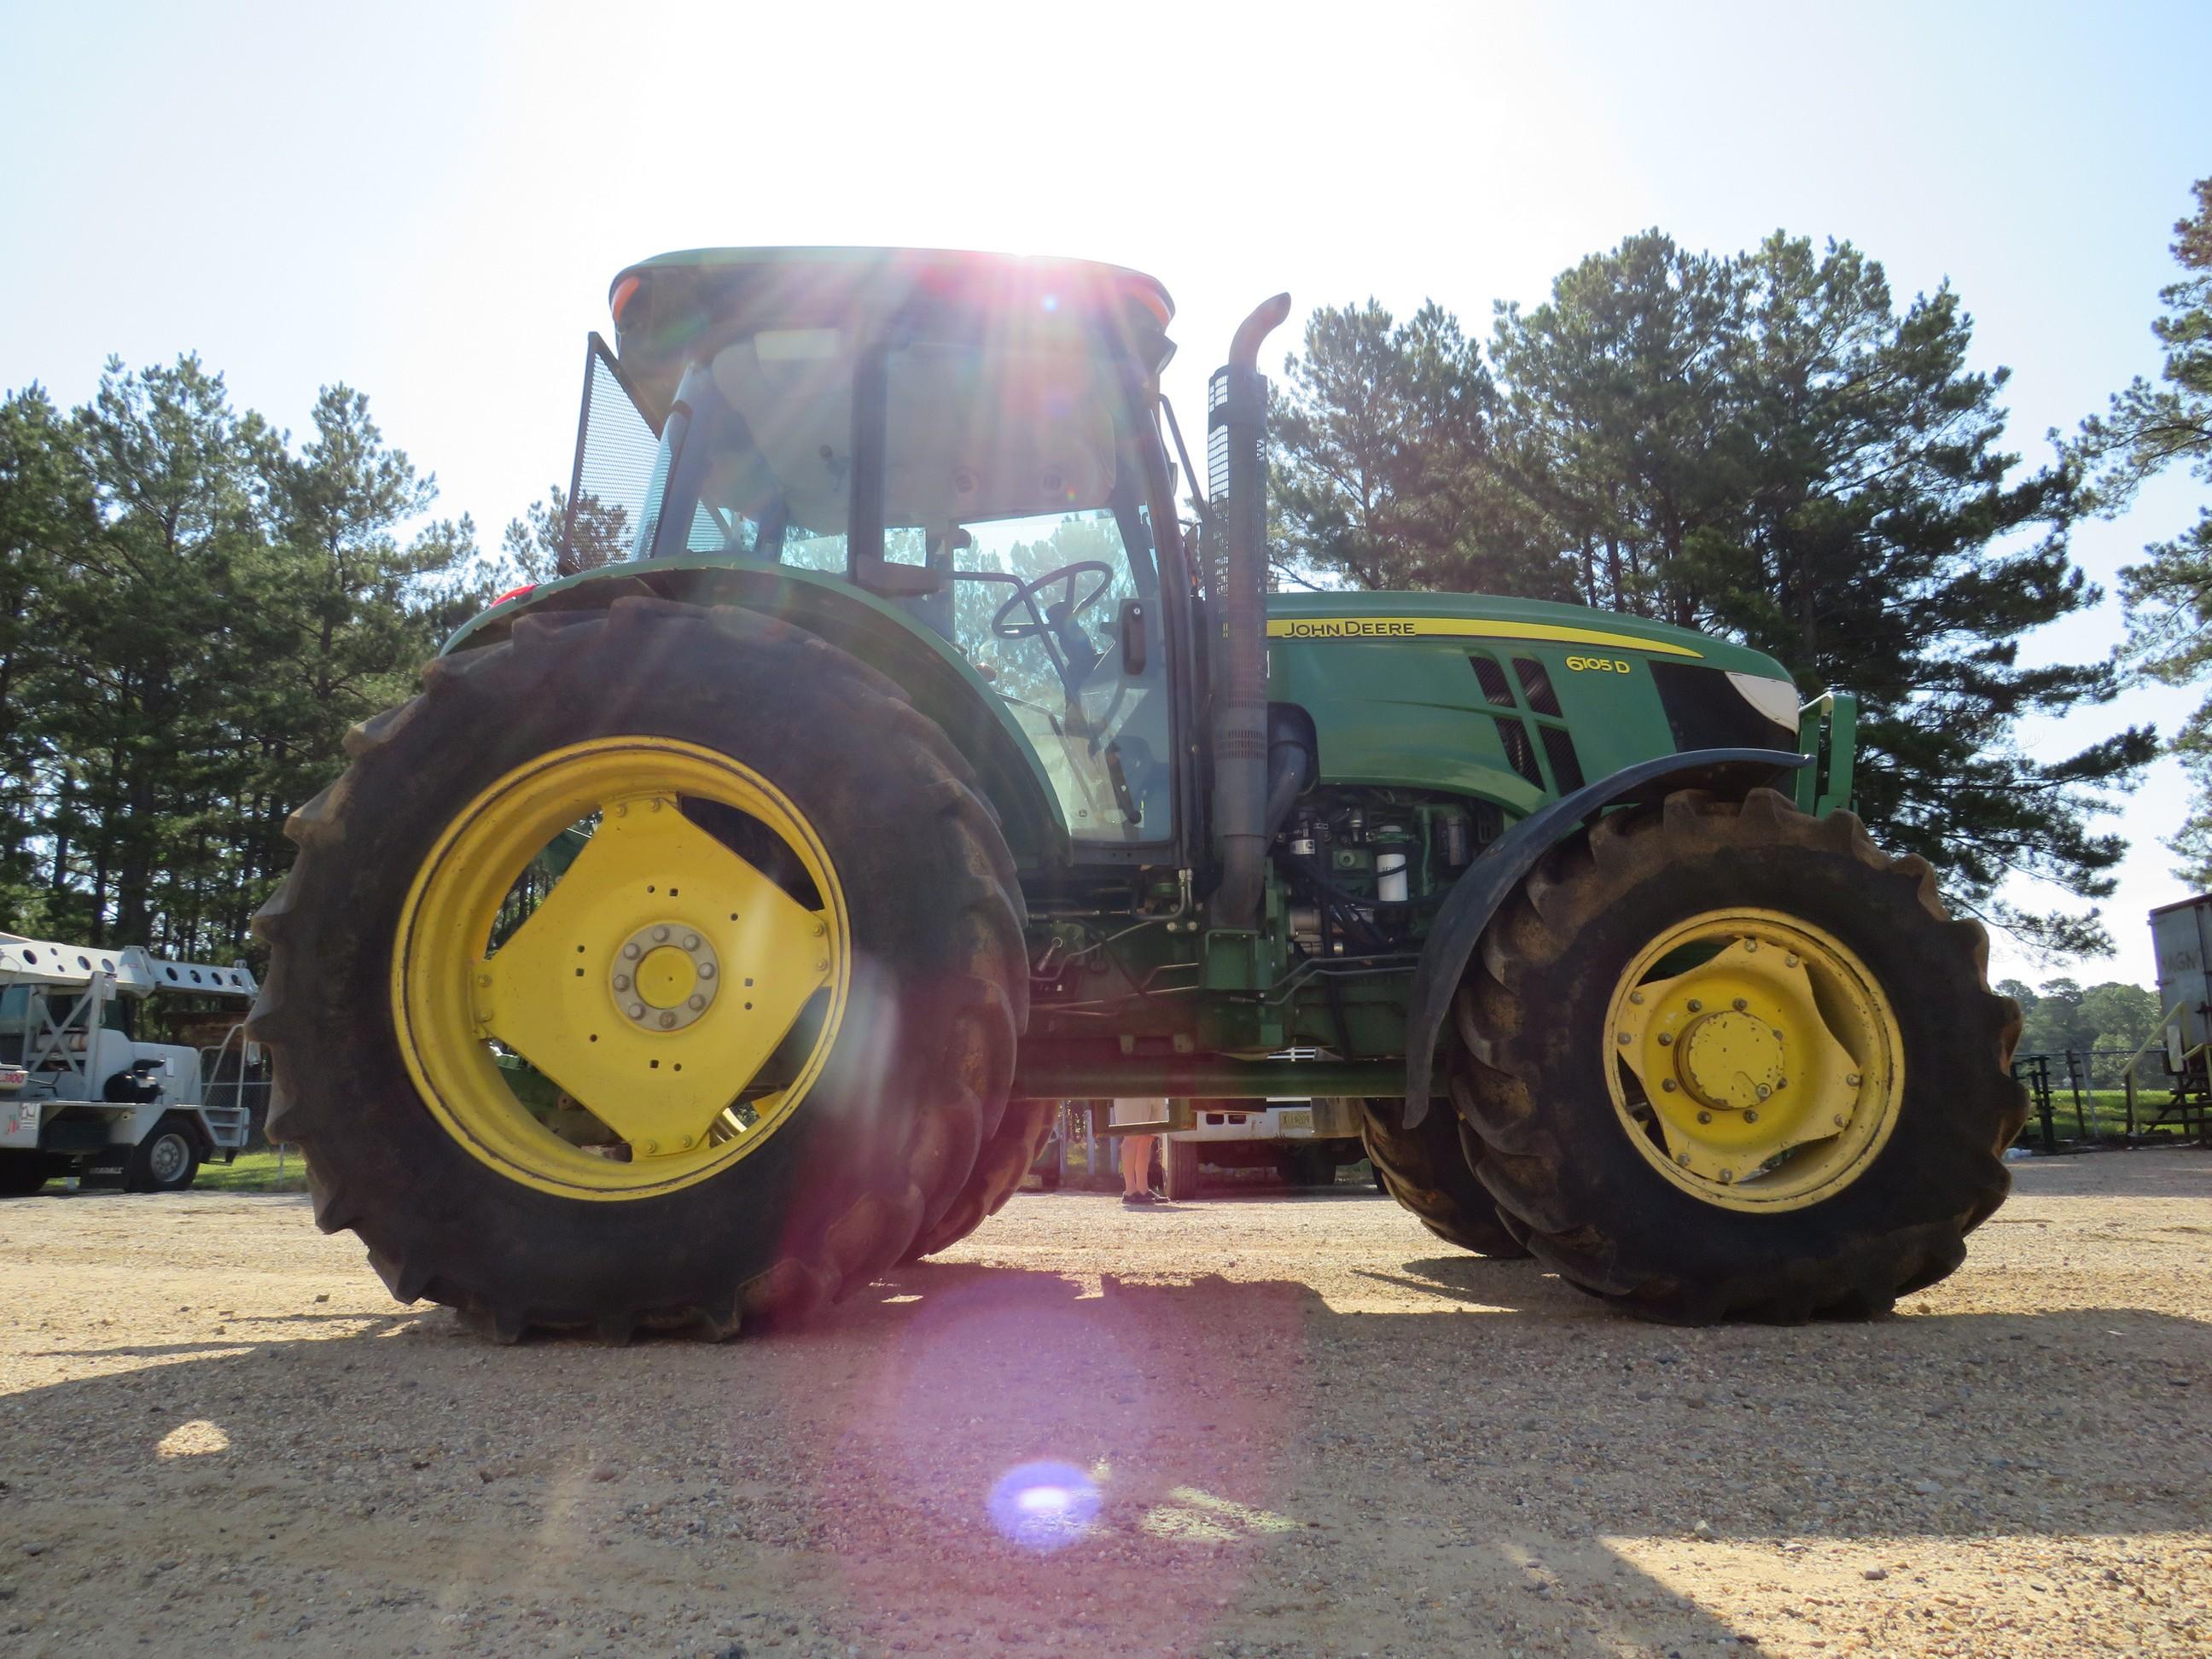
column 831, row 742
column 1936, row 1167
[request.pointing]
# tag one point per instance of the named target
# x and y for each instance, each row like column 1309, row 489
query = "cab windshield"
column 1009, row 517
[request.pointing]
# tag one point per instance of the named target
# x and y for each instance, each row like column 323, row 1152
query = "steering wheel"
column 1046, row 624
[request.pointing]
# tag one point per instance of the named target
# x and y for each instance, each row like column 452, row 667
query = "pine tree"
column 2148, row 429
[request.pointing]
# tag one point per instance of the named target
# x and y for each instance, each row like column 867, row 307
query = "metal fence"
column 2111, row 1096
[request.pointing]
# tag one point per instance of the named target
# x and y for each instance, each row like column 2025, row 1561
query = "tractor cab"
column 972, row 442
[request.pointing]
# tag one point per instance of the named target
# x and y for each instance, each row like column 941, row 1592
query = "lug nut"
column 1726, row 1175
column 1782, row 1083
column 1751, row 1115
column 1666, row 1085
column 705, row 970
column 696, row 1003
column 691, row 941
column 1789, row 962
column 637, row 1010
column 1741, row 1004
column 1764, row 1092
column 1666, row 1039
column 1839, row 1120
column 660, row 936
column 667, row 1020
column 621, row 981
column 1696, row 1006
column 649, row 1147
column 1627, row 1039
column 631, row 952
column 1682, row 1158
column 1851, row 1078
column 1636, row 996
column 1748, row 944
column 1705, row 1117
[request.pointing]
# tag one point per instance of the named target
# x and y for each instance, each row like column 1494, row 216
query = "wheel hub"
column 1730, row 1061
column 664, row 976
column 1765, row 1059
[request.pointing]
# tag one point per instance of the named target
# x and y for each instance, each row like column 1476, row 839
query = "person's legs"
column 1136, row 1164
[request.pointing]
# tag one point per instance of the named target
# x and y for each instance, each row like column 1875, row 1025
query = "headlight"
column 1776, row 699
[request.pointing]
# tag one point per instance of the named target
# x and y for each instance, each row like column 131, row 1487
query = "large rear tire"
column 831, row 798
column 1004, row 1160
column 1430, row 1170
column 1727, row 1061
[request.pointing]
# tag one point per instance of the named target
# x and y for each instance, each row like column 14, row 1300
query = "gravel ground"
column 1312, row 1430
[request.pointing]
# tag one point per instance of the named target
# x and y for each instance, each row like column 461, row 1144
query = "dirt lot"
column 1311, row 1429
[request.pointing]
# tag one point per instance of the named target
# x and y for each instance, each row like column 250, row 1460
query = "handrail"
column 2128, row 1071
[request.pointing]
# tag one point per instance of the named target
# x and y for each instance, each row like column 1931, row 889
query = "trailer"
column 83, row 1093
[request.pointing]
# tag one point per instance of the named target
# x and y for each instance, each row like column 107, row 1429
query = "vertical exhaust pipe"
column 1239, row 422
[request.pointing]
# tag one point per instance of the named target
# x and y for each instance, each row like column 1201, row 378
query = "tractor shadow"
column 1231, row 1463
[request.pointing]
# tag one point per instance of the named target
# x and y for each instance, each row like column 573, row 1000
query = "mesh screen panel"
column 615, row 474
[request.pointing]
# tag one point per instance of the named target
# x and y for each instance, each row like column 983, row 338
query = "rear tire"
column 1179, row 1168
column 1430, row 1170
column 886, row 1134
column 167, row 1161
column 1004, row 1160
column 1535, row 1061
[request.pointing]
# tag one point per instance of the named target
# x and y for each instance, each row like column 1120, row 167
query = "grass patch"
column 254, row 1172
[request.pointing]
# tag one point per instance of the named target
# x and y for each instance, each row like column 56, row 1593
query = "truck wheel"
column 728, row 909
column 1430, row 1170
column 22, row 1173
column 1004, row 1160
column 167, row 1160
column 1731, row 1061
column 1179, row 1168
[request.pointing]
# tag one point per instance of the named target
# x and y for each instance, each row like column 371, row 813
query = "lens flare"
column 1044, row 1506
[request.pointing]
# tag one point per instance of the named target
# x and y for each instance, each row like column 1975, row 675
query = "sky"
column 428, row 201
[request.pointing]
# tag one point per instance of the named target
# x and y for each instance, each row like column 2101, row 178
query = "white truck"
column 82, row 1094
column 1305, row 1141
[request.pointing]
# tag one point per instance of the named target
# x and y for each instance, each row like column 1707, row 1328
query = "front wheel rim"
column 652, row 986
column 168, row 1158
column 1754, row 1059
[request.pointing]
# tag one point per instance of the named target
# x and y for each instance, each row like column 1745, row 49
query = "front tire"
column 1430, row 1170
column 1702, row 1132
column 802, row 785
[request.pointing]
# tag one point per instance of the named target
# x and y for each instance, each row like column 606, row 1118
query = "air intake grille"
column 1495, row 691
column 1559, row 750
column 1520, row 753
column 1536, row 686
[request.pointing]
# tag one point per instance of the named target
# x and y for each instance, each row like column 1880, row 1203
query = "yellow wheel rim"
column 1754, row 1059
column 682, row 1001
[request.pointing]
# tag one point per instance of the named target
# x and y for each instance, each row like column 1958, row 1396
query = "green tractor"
column 724, row 921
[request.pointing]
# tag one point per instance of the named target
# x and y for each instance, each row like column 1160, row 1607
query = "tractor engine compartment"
column 1363, row 869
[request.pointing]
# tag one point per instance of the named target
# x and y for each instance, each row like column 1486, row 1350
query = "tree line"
column 193, row 610
column 1768, row 446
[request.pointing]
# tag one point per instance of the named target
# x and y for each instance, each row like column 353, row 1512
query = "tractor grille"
column 1704, row 711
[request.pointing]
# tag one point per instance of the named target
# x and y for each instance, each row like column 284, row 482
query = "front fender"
column 1475, row 898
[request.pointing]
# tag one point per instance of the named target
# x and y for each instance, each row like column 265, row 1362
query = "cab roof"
column 664, row 306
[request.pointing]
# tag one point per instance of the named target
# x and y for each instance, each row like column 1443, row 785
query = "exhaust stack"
column 1237, row 446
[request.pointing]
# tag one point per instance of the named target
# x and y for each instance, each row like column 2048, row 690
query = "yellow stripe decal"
column 1408, row 627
